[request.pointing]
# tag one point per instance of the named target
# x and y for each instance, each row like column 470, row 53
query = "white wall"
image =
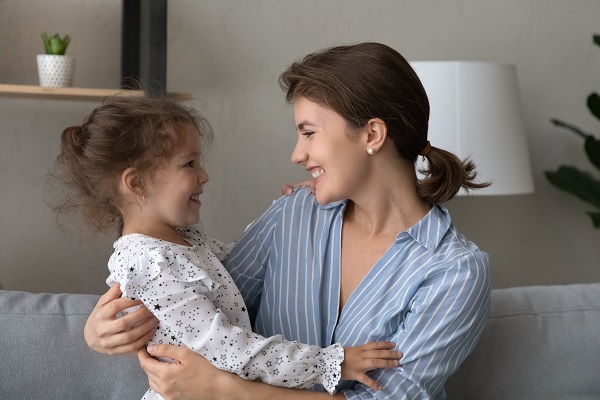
column 230, row 53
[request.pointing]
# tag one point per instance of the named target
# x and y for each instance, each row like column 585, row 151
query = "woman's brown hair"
column 372, row 80
column 124, row 132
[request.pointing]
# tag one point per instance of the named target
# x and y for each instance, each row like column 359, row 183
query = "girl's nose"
column 203, row 176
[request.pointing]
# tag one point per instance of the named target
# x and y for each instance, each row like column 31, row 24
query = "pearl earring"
column 371, row 151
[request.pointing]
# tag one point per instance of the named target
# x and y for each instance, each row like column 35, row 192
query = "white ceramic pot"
column 55, row 71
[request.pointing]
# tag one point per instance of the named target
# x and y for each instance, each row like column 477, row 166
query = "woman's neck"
column 389, row 204
column 387, row 216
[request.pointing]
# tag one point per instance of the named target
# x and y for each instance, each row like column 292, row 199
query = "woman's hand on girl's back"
column 107, row 334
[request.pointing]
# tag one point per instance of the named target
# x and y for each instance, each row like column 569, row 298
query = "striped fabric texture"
column 429, row 293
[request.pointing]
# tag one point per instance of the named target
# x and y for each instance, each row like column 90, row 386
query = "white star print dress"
column 198, row 306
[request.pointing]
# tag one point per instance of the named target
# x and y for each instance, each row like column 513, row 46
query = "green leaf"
column 54, row 44
column 570, row 127
column 576, row 182
column 593, row 103
column 46, row 40
column 592, row 149
column 595, row 219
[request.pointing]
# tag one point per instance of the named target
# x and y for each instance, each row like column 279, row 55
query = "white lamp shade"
column 475, row 113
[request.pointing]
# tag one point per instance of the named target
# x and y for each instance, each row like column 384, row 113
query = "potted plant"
column 571, row 179
column 55, row 69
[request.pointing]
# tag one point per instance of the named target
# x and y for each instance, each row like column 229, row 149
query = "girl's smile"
column 173, row 194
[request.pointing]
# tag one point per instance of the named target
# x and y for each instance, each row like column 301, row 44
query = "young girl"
column 134, row 165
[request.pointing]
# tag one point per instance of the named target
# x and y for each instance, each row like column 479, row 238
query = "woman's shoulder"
column 447, row 247
column 303, row 198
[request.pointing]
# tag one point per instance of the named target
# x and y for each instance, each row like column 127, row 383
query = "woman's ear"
column 132, row 184
column 376, row 134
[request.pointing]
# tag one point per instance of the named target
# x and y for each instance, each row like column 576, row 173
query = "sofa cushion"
column 44, row 354
column 541, row 342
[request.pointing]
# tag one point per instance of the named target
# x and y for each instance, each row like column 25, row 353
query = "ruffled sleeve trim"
column 331, row 366
column 144, row 258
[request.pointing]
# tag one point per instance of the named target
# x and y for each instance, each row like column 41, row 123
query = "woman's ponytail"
column 445, row 175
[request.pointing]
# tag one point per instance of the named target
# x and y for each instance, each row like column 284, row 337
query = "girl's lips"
column 195, row 198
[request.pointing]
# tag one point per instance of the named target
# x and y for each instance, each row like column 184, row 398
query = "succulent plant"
column 571, row 179
column 55, row 44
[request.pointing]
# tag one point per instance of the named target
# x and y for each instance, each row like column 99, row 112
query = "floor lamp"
column 476, row 113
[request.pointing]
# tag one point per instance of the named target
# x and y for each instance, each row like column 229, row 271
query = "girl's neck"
column 163, row 232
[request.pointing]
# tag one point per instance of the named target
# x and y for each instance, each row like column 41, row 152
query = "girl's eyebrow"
column 188, row 154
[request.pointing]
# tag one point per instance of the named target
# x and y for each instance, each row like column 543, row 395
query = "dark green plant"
column 570, row 179
column 55, row 44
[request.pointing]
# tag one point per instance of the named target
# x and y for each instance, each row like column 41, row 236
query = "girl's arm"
column 188, row 317
column 192, row 377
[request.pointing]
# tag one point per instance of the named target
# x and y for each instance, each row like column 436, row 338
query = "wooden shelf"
column 73, row 93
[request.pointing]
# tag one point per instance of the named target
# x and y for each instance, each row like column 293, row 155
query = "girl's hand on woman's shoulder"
column 287, row 189
column 107, row 334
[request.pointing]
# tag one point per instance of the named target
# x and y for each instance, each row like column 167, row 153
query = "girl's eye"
column 308, row 133
column 190, row 164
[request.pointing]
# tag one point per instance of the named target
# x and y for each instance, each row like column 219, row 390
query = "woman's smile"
column 317, row 172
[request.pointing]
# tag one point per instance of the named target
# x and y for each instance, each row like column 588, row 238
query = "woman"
column 371, row 256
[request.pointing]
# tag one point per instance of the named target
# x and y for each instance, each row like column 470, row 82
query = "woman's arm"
column 446, row 317
column 193, row 378
column 107, row 334
column 187, row 316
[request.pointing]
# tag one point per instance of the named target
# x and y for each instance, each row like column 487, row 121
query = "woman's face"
column 329, row 151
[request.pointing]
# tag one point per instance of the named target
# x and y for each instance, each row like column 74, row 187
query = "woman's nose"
column 299, row 154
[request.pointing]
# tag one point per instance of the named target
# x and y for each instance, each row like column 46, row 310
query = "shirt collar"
column 431, row 229
column 428, row 232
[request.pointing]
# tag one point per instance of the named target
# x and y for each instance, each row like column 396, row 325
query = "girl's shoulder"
column 138, row 259
column 140, row 252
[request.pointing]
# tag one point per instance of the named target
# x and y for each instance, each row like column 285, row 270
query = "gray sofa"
column 541, row 342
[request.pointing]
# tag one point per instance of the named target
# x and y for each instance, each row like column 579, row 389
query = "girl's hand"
column 106, row 334
column 191, row 376
column 287, row 189
column 370, row 356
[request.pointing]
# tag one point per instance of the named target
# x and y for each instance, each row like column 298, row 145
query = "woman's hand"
column 107, row 334
column 370, row 356
column 189, row 377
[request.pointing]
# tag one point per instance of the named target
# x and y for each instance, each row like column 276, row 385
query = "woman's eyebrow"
column 304, row 124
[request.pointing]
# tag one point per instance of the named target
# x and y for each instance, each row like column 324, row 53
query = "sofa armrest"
column 541, row 342
column 44, row 354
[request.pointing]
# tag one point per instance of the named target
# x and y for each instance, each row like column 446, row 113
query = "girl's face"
column 326, row 148
column 173, row 195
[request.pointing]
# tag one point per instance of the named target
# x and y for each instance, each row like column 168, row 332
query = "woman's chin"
column 323, row 199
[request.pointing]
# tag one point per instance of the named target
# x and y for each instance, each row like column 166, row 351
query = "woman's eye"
column 190, row 164
column 308, row 133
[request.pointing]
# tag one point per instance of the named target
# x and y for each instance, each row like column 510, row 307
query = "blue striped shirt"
column 429, row 293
